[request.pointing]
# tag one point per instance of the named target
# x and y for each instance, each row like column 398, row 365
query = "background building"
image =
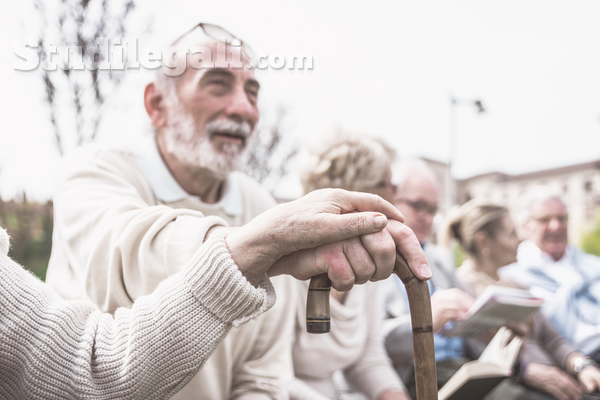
column 579, row 183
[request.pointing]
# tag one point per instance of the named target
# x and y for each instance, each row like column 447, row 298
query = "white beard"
column 192, row 146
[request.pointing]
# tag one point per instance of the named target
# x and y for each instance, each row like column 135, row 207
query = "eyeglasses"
column 545, row 220
column 219, row 34
column 421, row 207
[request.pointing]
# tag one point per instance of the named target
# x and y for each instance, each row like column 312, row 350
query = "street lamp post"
column 450, row 184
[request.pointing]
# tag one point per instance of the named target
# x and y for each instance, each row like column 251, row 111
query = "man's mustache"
column 230, row 128
column 556, row 237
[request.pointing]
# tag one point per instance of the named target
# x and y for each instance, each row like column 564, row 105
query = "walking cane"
column 419, row 302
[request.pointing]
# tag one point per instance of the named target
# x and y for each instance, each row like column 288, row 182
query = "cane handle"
column 419, row 302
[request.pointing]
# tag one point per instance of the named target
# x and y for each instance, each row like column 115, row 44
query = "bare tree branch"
column 80, row 23
column 272, row 152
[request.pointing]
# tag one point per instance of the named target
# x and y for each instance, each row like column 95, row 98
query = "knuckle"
column 335, row 193
column 360, row 224
column 404, row 232
column 375, row 198
column 342, row 280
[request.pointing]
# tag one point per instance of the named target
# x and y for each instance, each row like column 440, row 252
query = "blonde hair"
column 471, row 218
column 345, row 160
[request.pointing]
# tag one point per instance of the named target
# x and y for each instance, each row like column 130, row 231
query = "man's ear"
column 154, row 105
column 526, row 228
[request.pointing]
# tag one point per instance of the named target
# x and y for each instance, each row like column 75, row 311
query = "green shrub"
column 590, row 240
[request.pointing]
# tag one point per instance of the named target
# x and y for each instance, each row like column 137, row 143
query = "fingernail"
column 379, row 222
column 425, row 271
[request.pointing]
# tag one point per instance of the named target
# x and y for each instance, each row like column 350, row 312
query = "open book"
column 494, row 308
column 477, row 378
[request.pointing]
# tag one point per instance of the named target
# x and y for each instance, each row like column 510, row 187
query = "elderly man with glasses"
column 126, row 220
column 416, row 197
column 566, row 277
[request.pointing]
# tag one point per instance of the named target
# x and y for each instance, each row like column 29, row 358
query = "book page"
column 494, row 308
column 501, row 350
column 479, row 377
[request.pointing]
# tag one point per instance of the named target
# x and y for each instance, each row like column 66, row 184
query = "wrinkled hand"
column 449, row 305
column 327, row 231
column 589, row 377
column 552, row 380
column 357, row 260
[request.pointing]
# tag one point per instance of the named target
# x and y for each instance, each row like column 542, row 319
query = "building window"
column 588, row 186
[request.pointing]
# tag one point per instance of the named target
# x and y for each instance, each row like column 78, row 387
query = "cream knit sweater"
column 56, row 349
column 115, row 239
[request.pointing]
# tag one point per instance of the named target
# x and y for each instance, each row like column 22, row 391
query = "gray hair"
column 402, row 170
column 345, row 160
column 165, row 84
column 537, row 194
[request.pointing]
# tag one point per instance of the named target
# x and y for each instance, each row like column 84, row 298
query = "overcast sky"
column 380, row 68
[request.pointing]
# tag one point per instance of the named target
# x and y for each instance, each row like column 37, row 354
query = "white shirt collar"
column 530, row 253
column 166, row 188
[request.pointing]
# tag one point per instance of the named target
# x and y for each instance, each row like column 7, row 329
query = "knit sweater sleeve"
column 57, row 349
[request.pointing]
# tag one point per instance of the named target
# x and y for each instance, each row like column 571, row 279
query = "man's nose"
column 240, row 107
column 554, row 224
column 426, row 215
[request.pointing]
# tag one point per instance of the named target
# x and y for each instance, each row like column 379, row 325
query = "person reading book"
column 475, row 379
column 417, row 197
column 497, row 306
column 548, row 362
column 567, row 278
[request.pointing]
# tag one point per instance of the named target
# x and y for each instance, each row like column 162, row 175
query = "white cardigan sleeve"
column 56, row 349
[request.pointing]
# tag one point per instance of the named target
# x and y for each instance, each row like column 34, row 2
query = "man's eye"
column 420, row 207
column 218, row 82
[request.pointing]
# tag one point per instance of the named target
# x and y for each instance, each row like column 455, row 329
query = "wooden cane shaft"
column 317, row 305
column 419, row 302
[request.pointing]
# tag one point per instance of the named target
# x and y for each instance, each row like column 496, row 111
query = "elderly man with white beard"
column 125, row 221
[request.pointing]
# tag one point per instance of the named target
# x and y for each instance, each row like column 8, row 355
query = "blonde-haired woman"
column 486, row 232
column 353, row 350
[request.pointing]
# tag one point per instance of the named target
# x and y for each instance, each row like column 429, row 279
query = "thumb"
column 347, row 226
column 590, row 386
